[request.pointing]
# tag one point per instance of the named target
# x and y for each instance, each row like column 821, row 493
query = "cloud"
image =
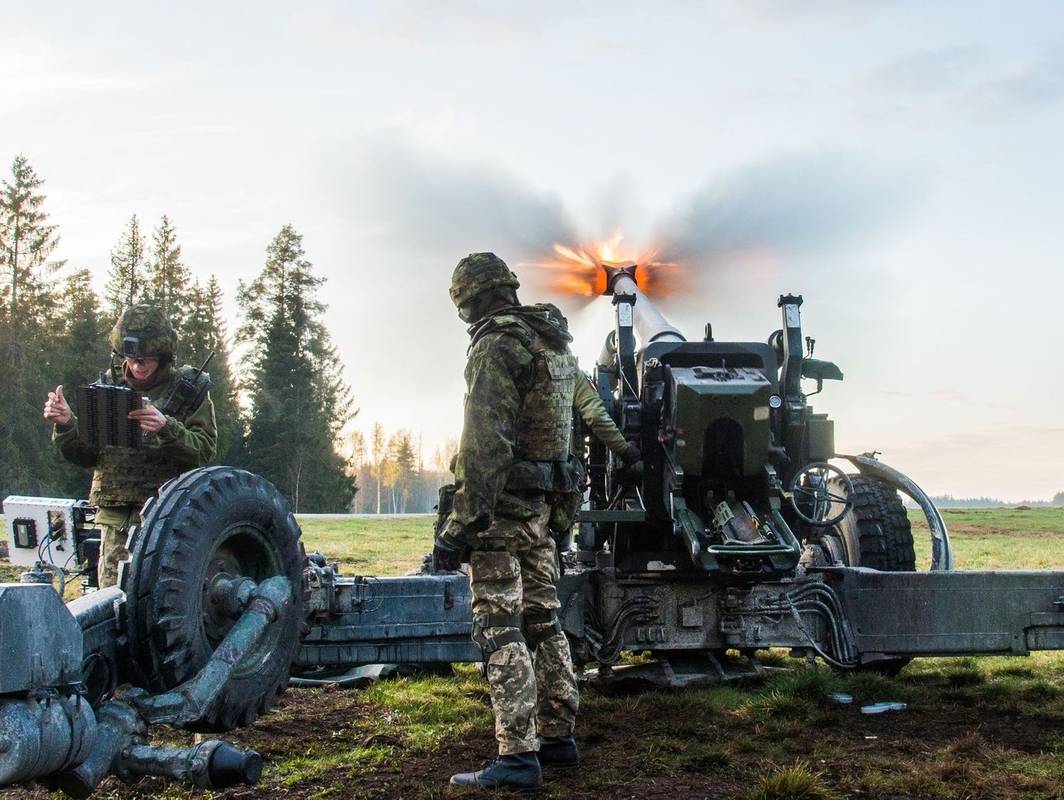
column 1028, row 86
column 966, row 80
column 927, row 72
column 40, row 72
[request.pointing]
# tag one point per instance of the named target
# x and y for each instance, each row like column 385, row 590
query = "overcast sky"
column 899, row 165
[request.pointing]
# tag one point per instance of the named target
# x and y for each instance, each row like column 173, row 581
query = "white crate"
column 41, row 528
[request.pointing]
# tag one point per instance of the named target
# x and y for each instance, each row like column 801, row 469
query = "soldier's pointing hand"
column 56, row 409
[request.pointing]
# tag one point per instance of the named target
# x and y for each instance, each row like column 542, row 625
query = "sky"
column 896, row 163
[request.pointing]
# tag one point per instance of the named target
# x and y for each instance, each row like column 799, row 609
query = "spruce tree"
column 204, row 332
column 166, row 279
column 83, row 352
column 403, row 455
column 299, row 402
column 28, row 345
column 125, row 281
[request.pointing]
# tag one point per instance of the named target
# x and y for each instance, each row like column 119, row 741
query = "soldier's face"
column 465, row 313
column 142, row 368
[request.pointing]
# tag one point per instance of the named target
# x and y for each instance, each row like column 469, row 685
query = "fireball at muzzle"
column 580, row 270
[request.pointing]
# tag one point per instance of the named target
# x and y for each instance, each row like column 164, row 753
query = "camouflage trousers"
column 531, row 679
column 114, row 525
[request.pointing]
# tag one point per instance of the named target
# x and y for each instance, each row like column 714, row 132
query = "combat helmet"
column 555, row 315
column 143, row 331
column 477, row 273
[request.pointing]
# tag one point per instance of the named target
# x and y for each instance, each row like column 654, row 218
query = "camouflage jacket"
column 589, row 406
column 490, row 471
column 127, row 477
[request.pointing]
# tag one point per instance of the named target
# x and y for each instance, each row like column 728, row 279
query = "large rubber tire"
column 876, row 532
column 205, row 521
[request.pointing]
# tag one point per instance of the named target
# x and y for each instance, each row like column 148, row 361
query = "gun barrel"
column 649, row 323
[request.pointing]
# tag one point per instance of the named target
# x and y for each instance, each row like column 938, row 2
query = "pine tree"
column 27, row 321
column 166, row 279
column 82, row 353
column 203, row 333
column 26, row 243
column 299, row 402
column 125, row 281
column 404, row 457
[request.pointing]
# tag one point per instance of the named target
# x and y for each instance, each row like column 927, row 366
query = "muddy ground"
column 970, row 732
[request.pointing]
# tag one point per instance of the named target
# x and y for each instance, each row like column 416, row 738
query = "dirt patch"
column 649, row 748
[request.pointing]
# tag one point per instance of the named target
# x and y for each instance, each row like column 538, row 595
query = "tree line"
column 392, row 472
column 949, row 501
column 282, row 417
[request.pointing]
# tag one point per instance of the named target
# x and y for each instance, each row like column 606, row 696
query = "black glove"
column 448, row 551
column 631, row 454
column 630, row 475
column 446, row 557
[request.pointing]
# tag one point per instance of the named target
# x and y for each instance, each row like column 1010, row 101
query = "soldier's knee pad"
column 510, row 625
column 539, row 626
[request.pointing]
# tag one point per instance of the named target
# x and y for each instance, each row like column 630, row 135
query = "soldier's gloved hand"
column 631, row 454
column 448, row 552
column 631, row 474
column 632, row 471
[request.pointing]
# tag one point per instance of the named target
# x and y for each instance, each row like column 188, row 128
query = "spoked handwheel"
column 813, row 497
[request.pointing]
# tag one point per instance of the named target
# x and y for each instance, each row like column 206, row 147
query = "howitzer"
column 739, row 536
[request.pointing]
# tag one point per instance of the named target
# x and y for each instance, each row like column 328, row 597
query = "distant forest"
column 283, row 408
column 949, row 501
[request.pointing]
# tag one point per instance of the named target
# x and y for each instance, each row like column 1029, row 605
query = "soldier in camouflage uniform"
column 513, row 455
column 177, row 423
column 589, row 407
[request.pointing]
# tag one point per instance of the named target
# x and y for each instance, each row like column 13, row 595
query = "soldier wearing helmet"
column 589, row 410
column 513, row 457
column 177, row 423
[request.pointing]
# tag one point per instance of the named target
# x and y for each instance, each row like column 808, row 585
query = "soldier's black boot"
column 517, row 771
column 558, row 751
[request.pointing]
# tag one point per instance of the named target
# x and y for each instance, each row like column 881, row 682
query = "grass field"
column 975, row 728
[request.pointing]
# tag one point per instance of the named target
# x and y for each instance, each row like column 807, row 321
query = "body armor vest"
column 128, row 476
column 545, row 425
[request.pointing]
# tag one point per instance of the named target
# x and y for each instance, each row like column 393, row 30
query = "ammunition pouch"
column 521, row 506
column 538, row 626
column 489, row 643
column 543, row 476
column 563, row 513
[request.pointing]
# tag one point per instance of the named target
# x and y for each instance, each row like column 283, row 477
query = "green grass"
column 797, row 782
column 386, row 546
column 997, row 538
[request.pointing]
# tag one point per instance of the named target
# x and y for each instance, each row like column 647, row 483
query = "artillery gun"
column 739, row 536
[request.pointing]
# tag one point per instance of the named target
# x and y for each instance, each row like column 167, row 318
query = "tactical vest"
column 128, row 476
column 544, row 425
